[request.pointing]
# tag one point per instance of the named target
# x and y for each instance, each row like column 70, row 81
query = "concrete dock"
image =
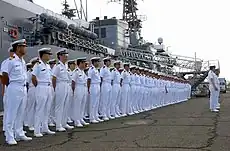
column 188, row 126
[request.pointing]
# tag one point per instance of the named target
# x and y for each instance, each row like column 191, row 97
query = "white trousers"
column 61, row 106
column 79, row 102
column 115, row 99
column 5, row 109
column 44, row 100
column 214, row 97
column 94, row 101
column 30, row 106
column 125, row 103
column 105, row 101
column 16, row 102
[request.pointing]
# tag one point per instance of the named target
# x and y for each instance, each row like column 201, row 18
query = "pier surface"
column 188, row 126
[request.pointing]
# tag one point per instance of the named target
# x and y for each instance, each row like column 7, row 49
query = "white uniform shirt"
column 126, row 77
column 60, row 72
column 106, row 74
column 79, row 77
column 43, row 72
column 16, row 69
column 29, row 78
column 70, row 74
column 212, row 75
column 116, row 76
column 94, row 75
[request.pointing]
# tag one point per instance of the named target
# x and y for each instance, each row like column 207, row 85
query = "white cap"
column 95, row 58
column 29, row 64
column 117, row 62
column 35, row 59
column 21, row 42
column 107, row 58
column 10, row 49
column 71, row 61
column 121, row 69
column 51, row 60
column 126, row 63
column 82, row 58
column 44, row 50
column 62, row 51
column 132, row 66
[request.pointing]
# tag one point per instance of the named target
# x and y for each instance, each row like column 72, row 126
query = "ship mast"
column 69, row 13
column 134, row 21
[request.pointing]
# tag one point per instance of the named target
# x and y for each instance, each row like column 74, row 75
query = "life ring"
column 14, row 33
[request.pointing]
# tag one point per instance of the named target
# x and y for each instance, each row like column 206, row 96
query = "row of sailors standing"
column 60, row 95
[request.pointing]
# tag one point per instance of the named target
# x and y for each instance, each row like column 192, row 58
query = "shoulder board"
column 58, row 63
column 103, row 66
column 68, row 70
column 114, row 70
column 39, row 62
column 10, row 58
column 92, row 67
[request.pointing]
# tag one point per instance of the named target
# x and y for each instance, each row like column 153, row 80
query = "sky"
column 187, row 26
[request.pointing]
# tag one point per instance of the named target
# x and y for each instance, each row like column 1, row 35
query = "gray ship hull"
column 14, row 16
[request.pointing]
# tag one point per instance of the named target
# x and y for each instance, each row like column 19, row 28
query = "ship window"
column 96, row 31
column 103, row 32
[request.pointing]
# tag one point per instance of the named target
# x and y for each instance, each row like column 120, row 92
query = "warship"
column 118, row 38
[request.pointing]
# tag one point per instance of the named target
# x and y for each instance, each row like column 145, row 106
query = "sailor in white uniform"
column 106, row 89
column 71, row 68
column 79, row 80
column 93, row 85
column 116, row 89
column 4, row 88
column 214, row 89
column 52, row 63
column 41, row 78
column 30, row 106
column 14, row 76
column 125, row 90
column 61, row 87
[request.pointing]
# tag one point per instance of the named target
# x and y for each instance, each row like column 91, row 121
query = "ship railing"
column 32, row 7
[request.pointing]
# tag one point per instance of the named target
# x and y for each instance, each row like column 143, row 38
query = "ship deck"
column 186, row 126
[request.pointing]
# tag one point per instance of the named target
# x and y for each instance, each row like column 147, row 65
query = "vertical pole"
column 86, row 7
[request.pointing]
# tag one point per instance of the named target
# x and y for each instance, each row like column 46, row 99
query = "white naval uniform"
column 61, row 95
column 94, row 90
column 3, row 66
column 31, row 99
column 16, row 98
column 116, row 88
column 133, row 92
column 70, row 96
column 125, row 93
column 44, row 98
column 214, row 95
column 106, row 89
column 79, row 97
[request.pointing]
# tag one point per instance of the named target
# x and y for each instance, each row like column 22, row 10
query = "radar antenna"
column 134, row 21
column 69, row 13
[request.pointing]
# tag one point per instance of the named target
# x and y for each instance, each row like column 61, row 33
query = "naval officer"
column 30, row 106
column 61, row 87
column 4, row 88
column 79, row 80
column 213, row 88
column 106, row 88
column 93, row 85
column 14, row 76
column 125, row 90
column 42, row 81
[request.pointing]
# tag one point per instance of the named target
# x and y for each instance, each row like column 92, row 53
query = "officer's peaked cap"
column 21, row 42
column 35, row 59
column 45, row 50
column 62, row 51
column 52, row 61
column 82, row 59
column 107, row 59
column 95, row 59
column 72, row 61
column 29, row 64
column 117, row 62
